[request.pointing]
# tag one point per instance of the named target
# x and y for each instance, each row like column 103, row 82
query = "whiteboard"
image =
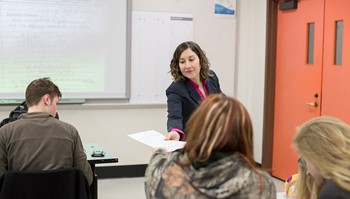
column 155, row 36
column 81, row 45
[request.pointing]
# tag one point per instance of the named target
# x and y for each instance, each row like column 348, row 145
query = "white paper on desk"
column 156, row 140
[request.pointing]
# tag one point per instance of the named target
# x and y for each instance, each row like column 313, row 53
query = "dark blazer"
column 183, row 99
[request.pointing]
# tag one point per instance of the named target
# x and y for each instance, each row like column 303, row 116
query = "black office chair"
column 69, row 183
column 14, row 114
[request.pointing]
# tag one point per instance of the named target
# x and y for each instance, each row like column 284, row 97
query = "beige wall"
column 240, row 67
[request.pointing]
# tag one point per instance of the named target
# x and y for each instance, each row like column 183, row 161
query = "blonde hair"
column 325, row 142
column 306, row 187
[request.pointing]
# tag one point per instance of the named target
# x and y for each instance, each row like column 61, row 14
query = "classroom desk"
column 108, row 158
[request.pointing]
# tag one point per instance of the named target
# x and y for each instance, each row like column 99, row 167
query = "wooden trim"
column 270, row 73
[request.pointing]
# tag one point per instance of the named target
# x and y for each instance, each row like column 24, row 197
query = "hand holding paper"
column 157, row 140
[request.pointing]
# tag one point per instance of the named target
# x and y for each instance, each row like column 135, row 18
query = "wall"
column 250, row 64
column 243, row 76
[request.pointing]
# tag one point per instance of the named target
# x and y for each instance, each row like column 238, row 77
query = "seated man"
column 39, row 141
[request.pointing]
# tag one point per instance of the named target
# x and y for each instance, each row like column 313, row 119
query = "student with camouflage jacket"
column 217, row 160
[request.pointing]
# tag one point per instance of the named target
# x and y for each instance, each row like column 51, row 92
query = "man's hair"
column 204, row 62
column 325, row 142
column 40, row 87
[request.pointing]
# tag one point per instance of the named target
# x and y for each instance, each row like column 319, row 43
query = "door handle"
column 315, row 104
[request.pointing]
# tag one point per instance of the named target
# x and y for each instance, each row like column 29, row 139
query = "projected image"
column 80, row 45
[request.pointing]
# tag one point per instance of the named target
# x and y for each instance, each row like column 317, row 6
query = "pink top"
column 196, row 86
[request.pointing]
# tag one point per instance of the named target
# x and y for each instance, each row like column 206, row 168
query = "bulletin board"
column 155, row 36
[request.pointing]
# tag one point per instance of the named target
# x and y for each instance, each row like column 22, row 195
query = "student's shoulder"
column 331, row 190
column 11, row 125
column 69, row 127
column 268, row 184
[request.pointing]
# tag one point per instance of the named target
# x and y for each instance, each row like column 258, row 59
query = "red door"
column 312, row 72
column 297, row 81
column 336, row 76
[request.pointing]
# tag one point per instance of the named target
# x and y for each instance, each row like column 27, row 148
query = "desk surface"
column 108, row 157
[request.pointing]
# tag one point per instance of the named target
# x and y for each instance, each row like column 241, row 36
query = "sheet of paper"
column 156, row 140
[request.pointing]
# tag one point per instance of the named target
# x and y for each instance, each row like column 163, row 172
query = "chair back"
column 68, row 183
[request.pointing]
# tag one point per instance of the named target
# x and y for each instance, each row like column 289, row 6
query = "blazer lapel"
column 192, row 92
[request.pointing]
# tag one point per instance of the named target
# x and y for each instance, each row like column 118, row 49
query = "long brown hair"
column 220, row 123
column 174, row 64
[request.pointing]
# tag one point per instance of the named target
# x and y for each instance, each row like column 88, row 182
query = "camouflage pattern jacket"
column 229, row 177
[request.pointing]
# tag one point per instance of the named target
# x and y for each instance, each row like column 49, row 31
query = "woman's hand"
column 173, row 135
